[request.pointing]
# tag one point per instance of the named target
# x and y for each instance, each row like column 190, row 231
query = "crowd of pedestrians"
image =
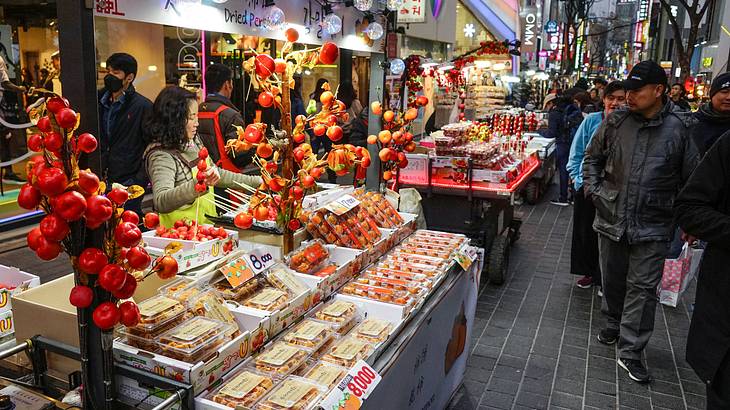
column 645, row 171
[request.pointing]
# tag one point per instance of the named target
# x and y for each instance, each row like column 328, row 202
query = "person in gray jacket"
column 634, row 167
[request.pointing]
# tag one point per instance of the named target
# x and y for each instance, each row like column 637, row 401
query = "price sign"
column 237, row 272
column 353, row 389
column 259, row 260
column 466, row 256
column 342, row 204
column 416, row 172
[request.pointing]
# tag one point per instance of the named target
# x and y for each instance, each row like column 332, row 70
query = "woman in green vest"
column 171, row 161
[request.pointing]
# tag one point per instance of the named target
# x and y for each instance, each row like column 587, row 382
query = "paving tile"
column 532, row 400
column 566, row 401
column 497, row 399
column 600, row 400
column 633, row 401
column 504, row 385
column 666, row 401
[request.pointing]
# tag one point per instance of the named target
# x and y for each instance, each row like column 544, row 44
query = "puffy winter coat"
column 634, row 168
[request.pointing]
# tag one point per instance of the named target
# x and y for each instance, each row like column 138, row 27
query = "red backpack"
column 224, row 161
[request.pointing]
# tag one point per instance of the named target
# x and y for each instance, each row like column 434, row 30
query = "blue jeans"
column 562, row 152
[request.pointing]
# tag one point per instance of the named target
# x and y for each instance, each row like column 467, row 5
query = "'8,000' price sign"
column 353, row 389
column 259, row 260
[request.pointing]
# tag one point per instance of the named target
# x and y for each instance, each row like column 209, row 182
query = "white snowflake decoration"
column 469, row 30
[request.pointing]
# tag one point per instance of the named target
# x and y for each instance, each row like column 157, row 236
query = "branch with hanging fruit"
column 75, row 202
column 395, row 138
column 288, row 166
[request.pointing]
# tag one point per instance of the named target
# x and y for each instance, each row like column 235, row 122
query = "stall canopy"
column 499, row 16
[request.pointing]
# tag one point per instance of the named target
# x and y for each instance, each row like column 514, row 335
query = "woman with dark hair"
column 354, row 131
column 171, row 161
column 318, row 90
column 584, row 102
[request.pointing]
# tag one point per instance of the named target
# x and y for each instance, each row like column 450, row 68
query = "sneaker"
column 637, row 371
column 585, row 282
column 600, row 292
column 608, row 336
column 560, row 202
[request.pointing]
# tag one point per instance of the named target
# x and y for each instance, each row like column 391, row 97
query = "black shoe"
column 560, row 202
column 637, row 371
column 608, row 336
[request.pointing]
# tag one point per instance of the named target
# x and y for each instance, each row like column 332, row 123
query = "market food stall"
column 490, row 163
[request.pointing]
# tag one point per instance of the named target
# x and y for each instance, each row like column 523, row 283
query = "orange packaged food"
column 326, row 271
column 415, row 278
column 227, row 292
column 194, row 339
column 347, row 351
column 427, row 270
column 378, row 293
column 326, row 374
column 398, row 255
column 341, row 314
column 308, row 258
column 389, row 283
column 373, row 330
column 281, row 358
column 309, row 333
column 410, row 248
column 294, row 393
column 268, row 299
column 243, row 389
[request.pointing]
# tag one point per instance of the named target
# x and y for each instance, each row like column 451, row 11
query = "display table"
column 424, row 364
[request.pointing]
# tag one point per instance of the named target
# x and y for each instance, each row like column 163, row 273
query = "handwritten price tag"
column 342, row 204
column 353, row 389
column 259, row 260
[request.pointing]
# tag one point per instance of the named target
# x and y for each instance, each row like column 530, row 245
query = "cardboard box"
column 50, row 302
column 275, row 241
column 200, row 375
column 14, row 277
column 193, row 253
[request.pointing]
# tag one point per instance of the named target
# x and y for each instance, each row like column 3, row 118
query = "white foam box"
column 19, row 280
column 193, row 253
column 349, row 262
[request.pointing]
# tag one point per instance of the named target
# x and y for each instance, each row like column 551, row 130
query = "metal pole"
column 170, row 400
column 78, row 81
column 15, row 350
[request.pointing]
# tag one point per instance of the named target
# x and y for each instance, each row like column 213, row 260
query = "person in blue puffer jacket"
column 584, row 251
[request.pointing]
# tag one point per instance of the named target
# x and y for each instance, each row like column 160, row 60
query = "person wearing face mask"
column 171, row 161
column 122, row 112
column 634, row 167
column 584, row 251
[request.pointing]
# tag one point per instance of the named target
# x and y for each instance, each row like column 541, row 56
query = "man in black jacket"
column 122, row 112
column 634, row 166
column 713, row 118
column 218, row 119
column 702, row 210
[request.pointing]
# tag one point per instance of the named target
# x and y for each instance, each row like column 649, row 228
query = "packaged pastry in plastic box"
column 309, row 333
column 347, row 351
column 283, row 279
column 209, row 304
column 410, row 248
column 412, row 277
column 281, row 358
column 325, row 271
column 324, row 373
column 308, row 258
column 341, row 314
column 373, row 330
column 378, row 293
column 427, row 244
column 386, row 207
column 180, row 289
column 403, row 266
column 342, row 228
column 194, row 339
column 390, row 283
column 293, row 393
column 227, row 292
column 325, row 348
column 268, row 299
column 157, row 315
column 243, row 389
column 398, row 255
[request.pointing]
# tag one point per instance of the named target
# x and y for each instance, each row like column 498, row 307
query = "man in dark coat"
column 713, row 117
column 122, row 112
column 634, row 166
column 564, row 118
column 702, row 210
column 219, row 108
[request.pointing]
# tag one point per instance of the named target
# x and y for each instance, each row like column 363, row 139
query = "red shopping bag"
column 676, row 272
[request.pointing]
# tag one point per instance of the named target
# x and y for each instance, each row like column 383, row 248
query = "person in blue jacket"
column 584, row 251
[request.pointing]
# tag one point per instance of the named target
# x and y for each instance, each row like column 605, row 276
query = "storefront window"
column 469, row 31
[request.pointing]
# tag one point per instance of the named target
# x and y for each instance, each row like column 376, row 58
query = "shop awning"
column 499, row 16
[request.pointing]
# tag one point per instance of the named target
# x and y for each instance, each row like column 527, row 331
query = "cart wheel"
column 532, row 192
column 498, row 260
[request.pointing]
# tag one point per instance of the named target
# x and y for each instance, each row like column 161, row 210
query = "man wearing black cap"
column 713, row 118
column 634, row 166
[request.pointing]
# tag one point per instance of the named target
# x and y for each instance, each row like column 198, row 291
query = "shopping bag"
column 673, row 278
column 694, row 267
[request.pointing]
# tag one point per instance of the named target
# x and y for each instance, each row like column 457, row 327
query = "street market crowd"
column 646, row 175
